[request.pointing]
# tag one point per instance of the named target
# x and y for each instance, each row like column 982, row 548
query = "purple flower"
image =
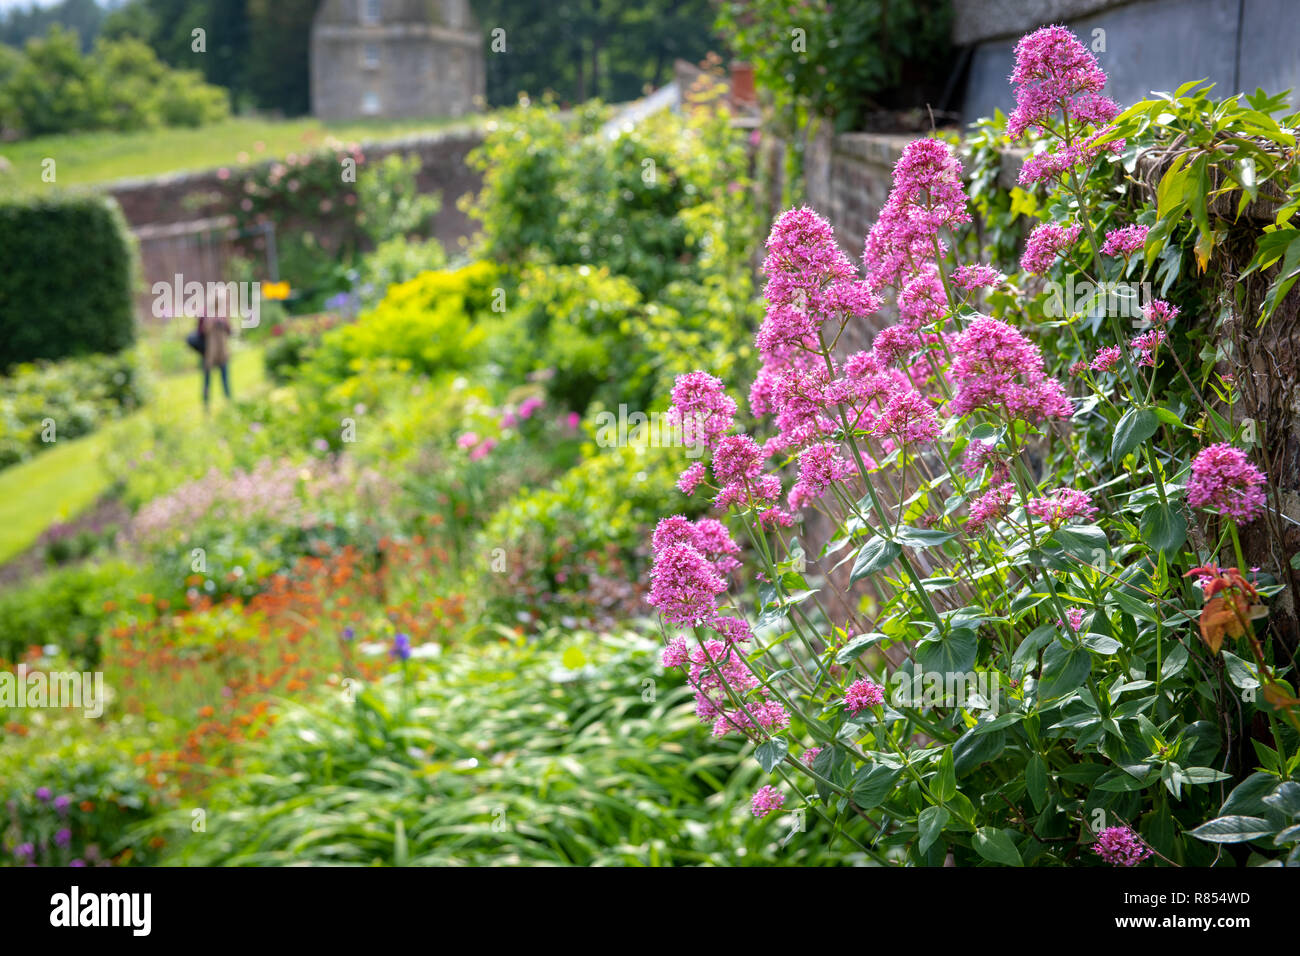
column 24, row 851
column 61, row 803
column 63, row 837
column 1120, row 846
column 401, row 648
column 349, row 633
column 43, row 794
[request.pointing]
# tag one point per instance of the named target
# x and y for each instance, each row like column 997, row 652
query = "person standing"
column 215, row 332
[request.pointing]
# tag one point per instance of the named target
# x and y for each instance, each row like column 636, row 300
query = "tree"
column 590, row 48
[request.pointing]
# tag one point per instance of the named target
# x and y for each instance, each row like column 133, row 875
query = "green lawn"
column 86, row 158
column 61, row 483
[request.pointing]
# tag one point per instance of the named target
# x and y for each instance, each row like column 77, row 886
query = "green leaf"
column 972, row 749
column 1137, row 425
column 1100, row 643
column 1064, row 669
column 945, row 781
column 1036, row 781
column 1121, row 596
column 1163, row 528
column 1286, row 798
column 1086, row 542
column 771, row 752
column 876, row 555
column 924, row 537
column 873, row 783
column 1233, row 829
column 996, row 846
column 954, row 653
column 1174, row 662
column 929, row 825
column 1240, row 673
column 854, row 648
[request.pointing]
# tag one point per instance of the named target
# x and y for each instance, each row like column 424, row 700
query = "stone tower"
column 395, row 58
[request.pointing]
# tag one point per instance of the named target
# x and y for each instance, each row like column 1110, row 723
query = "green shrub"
column 558, row 190
column 582, row 327
column 65, row 607
column 856, row 56
column 568, row 544
column 121, row 85
column 428, row 322
column 77, row 395
column 68, row 277
column 66, row 779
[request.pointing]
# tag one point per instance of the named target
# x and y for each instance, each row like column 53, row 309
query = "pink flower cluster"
column 1145, row 345
column 1224, row 478
column 1062, row 506
column 1106, row 359
column 927, row 197
column 909, row 417
column 861, row 695
column 996, row 368
column 974, row 277
column 720, row 678
column 1054, row 74
column 1120, row 846
column 691, row 560
column 1045, row 243
column 989, row 507
column 766, row 800
column 701, row 408
column 1074, row 616
column 1125, row 241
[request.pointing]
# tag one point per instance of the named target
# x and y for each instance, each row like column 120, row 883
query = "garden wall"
column 181, row 221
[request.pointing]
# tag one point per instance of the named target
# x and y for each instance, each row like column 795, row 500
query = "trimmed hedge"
column 67, row 278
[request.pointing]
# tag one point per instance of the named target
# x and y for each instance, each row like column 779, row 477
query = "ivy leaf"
column 771, row 752
column 876, row 555
column 1137, row 425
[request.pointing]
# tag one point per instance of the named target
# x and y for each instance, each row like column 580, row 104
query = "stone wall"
column 182, row 197
column 1144, row 46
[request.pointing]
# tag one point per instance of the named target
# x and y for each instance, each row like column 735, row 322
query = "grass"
column 90, row 158
column 59, row 484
